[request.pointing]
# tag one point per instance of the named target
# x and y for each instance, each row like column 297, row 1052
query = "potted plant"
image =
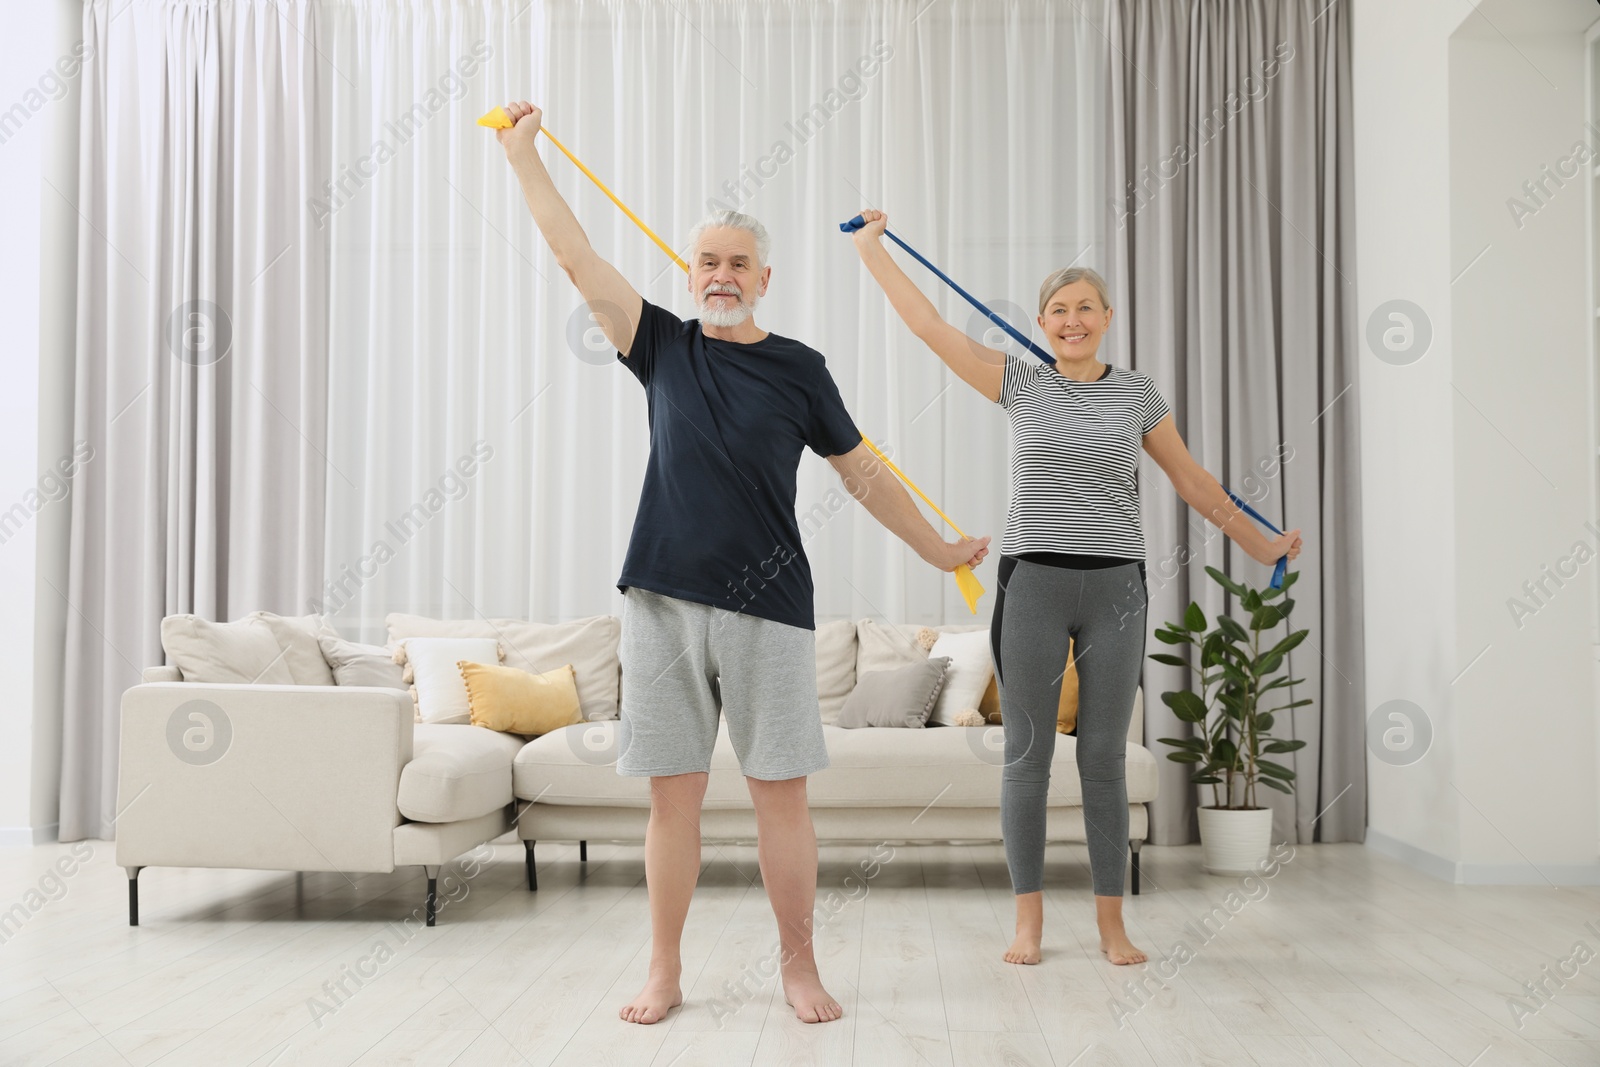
column 1234, row 678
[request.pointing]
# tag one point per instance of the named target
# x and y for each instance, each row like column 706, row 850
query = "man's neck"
column 746, row 333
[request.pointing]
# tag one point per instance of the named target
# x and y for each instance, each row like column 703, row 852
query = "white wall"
column 1476, row 466
column 39, row 131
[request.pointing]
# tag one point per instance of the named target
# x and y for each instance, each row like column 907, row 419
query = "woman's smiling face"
column 1074, row 320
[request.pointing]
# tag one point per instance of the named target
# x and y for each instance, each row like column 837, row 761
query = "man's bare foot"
column 802, row 991
column 1025, row 949
column 661, row 993
column 1119, row 950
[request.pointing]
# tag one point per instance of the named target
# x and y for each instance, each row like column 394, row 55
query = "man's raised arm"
column 613, row 302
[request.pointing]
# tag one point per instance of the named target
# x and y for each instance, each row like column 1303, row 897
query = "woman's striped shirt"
column 1074, row 457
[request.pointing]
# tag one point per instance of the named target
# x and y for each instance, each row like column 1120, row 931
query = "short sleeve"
column 657, row 327
column 1152, row 406
column 830, row 431
column 1015, row 373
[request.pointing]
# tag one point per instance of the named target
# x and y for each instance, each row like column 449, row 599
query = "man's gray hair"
column 736, row 220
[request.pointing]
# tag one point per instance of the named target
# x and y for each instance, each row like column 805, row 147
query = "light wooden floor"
column 1344, row 957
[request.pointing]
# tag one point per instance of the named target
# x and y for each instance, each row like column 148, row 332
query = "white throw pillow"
column 440, row 691
column 971, row 667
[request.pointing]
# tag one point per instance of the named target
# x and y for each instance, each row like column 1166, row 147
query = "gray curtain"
column 1232, row 231
column 201, row 352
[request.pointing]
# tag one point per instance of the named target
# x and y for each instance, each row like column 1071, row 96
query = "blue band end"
column 853, row 225
column 1278, row 572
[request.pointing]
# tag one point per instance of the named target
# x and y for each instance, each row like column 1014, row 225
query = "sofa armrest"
column 267, row 777
column 163, row 674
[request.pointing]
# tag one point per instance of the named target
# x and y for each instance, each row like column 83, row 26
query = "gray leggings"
column 1103, row 610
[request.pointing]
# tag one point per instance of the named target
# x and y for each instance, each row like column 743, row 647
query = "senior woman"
column 1071, row 566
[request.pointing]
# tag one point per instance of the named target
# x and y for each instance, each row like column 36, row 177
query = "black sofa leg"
column 133, row 895
column 533, row 874
column 433, row 893
column 1135, row 847
column 583, row 852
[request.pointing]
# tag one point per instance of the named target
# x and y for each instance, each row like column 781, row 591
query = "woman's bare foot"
column 802, row 991
column 661, row 993
column 1024, row 949
column 1113, row 935
column 1030, row 929
column 1119, row 950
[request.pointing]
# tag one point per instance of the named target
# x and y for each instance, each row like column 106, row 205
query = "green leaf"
column 1271, row 594
column 1185, row 705
column 1205, row 779
column 1268, row 663
column 1275, row 770
column 1184, row 757
column 1289, row 578
column 1275, row 784
column 1169, row 659
column 1286, row 746
column 1290, row 642
column 1226, row 751
column 1173, row 637
column 1264, row 721
column 1267, row 616
column 1195, row 743
column 1279, row 683
column 1227, row 583
column 1211, row 651
column 1296, row 704
column 1230, row 626
column 1251, row 600
column 1194, row 620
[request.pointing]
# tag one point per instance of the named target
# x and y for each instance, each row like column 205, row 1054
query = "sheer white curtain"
column 199, row 377
column 485, row 453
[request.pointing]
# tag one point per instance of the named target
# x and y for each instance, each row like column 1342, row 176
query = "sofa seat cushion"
column 456, row 772
column 951, row 766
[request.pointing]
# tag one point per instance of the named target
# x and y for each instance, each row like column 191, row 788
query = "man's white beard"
column 724, row 317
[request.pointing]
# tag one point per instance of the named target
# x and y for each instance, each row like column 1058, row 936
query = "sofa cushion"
column 456, row 772
column 357, row 664
column 836, row 667
column 882, row 646
column 899, row 699
column 261, row 648
column 949, row 766
column 590, row 645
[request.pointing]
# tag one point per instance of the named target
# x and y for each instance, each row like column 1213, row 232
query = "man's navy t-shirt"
column 728, row 421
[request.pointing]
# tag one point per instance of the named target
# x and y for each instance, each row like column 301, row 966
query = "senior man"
column 717, row 611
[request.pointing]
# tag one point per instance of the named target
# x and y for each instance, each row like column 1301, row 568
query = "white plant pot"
column 1234, row 842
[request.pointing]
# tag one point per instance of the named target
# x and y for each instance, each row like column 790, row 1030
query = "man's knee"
column 680, row 793
column 780, row 795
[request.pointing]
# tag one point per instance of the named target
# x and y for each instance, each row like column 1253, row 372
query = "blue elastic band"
column 858, row 222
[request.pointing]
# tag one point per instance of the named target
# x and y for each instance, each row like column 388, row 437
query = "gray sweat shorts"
column 685, row 663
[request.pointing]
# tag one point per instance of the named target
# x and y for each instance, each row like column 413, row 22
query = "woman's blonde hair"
column 1068, row 275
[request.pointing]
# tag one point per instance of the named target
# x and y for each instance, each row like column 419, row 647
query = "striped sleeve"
column 1016, row 369
column 1153, row 406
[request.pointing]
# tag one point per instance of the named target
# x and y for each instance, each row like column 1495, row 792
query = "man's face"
column 724, row 277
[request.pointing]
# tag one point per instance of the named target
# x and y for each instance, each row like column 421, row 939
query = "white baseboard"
column 1446, row 870
column 28, row 836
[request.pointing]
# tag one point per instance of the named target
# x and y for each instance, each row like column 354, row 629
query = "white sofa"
column 341, row 778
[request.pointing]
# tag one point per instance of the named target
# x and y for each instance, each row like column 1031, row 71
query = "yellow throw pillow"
column 513, row 701
column 1066, row 711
